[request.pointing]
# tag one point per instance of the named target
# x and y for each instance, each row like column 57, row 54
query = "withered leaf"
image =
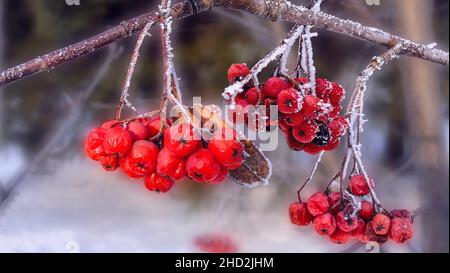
column 256, row 169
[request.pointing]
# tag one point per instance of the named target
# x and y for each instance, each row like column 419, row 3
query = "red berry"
column 292, row 143
column 117, row 141
column 323, row 88
column 252, row 96
column 181, row 139
column 299, row 214
column 126, row 166
column 289, row 101
column 337, row 128
column 142, row 157
column 93, row 145
column 110, row 162
column 312, row 148
column 158, row 183
column 201, row 166
column 345, row 222
column 306, row 132
column 138, row 130
column 153, row 125
column 325, row 224
column 331, row 146
column 310, row 106
column 293, row 119
column 274, row 86
column 221, row 177
column 358, row 185
column 318, row 204
column 333, row 201
column 334, row 113
column 359, row 232
column 237, row 72
column 337, row 94
column 340, row 237
column 283, row 125
column 226, row 151
column 380, row 224
column 170, row 165
column 403, row 213
column 401, row 230
column 110, row 124
column 366, row 211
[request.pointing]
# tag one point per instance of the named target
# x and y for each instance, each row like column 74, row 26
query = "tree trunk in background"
column 423, row 103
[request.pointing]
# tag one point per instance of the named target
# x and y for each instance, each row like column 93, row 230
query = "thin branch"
column 311, row 175
column 275, row 10
column 131, row 67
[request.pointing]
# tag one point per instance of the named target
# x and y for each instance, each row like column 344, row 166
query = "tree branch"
column 274, row 10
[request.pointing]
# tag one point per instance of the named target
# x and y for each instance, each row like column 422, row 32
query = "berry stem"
column 311, row 175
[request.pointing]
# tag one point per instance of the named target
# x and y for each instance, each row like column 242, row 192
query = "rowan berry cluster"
column 309, row 119
column 350, row 219
column 141, row 150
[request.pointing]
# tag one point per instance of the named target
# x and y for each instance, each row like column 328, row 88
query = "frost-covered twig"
column 311, row 175
column 131, row 67
column 284, row 10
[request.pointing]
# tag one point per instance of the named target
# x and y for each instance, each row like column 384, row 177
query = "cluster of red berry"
column 142, row 151
column 310, row 121
column 342, row 221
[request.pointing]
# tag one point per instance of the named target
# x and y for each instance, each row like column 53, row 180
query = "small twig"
column 311, row 175
column 131, row 67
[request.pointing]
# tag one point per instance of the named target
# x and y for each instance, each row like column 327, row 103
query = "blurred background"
column 53, row 199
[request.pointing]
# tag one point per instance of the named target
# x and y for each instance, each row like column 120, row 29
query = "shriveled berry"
column 181, row 139
column 333, row 201
column 168, row 164
column 293, row 119
column 289, row 101
column 372, row 236
column 381, row 224
column 274, row 86
column 340, row 237
column 118, row 141
column 322, row 136
column 345, row 222
column 158, row 183
column 252, row 96
column 306, row 132
column 227, row 152
column 367, row 210
column 93, row 144
column 201, row 166
column 237, row 72
column 299, row 214
column 358, row 185
column 401, row 230
column 318, row 204
column 403, row 213
column 325, row 224
column 143, row 157
column 310, row 106
column 138, row 130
